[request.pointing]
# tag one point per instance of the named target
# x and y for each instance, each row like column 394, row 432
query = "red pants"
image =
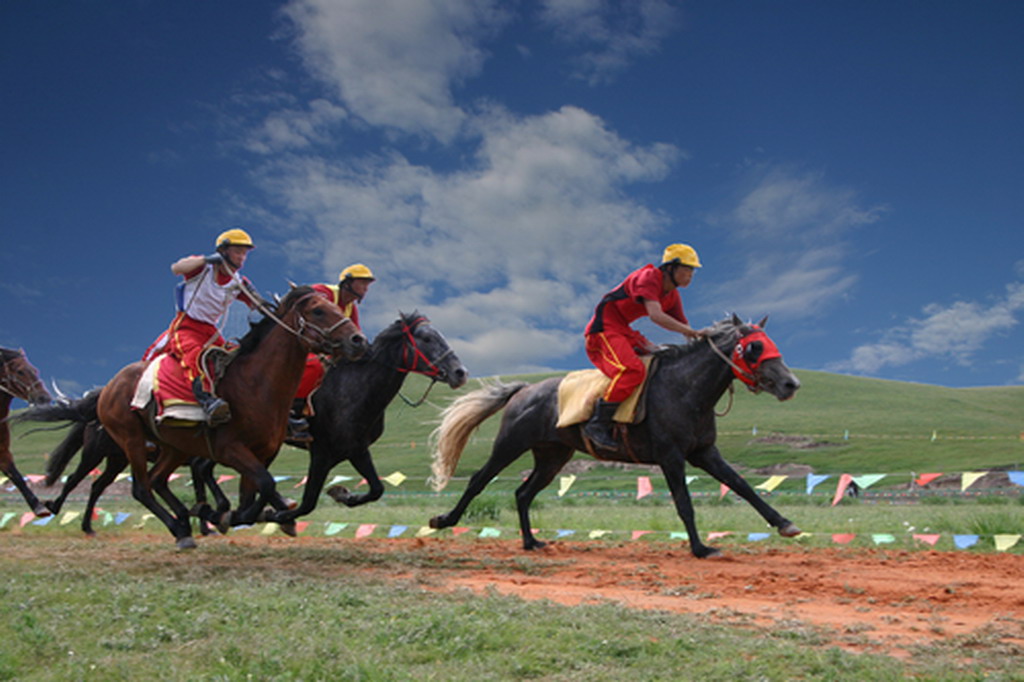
column 186, row 339
column 311, row 376
column 613, row 354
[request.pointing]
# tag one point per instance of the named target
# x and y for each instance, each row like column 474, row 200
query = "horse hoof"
column 224, row 523
column 534, row 544
column 289, row 503
column 708, row 553
column 338, row 493
column 186, row 542
column 789, row 531
column 42, row 511
column 49, row 504
column 438, row 522
column 289, row 529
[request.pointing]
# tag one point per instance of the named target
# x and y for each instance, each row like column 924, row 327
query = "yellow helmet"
column 684, row 254
column 356, row 271
column 234, row 237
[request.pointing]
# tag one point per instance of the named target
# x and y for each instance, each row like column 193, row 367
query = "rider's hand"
column 213, row 259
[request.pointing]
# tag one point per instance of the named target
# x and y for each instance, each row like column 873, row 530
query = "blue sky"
column 852, row 168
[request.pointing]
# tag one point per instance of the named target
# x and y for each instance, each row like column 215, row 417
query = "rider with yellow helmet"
column 210, row 284
column 353, row 283
column 613, row 346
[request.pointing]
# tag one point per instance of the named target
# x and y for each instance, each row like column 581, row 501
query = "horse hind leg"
column 548, row 461
column 501, row 456
column 37, row 507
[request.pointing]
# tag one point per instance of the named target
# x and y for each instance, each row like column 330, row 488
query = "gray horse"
column 679, row 427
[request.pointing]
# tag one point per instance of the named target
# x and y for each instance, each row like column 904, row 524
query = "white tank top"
column 203, row 299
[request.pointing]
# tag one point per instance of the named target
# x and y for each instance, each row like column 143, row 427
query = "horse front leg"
column 320, row 464
column 674, row 471
column 363, row 464
column 710, row 460
column 7, row 466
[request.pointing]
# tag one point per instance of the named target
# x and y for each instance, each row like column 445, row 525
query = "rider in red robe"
column 613, row 346
column 211, row 283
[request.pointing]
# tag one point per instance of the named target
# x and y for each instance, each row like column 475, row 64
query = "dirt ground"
column 862, row 600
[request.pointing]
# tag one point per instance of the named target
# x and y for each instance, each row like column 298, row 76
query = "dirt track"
column 865, row 600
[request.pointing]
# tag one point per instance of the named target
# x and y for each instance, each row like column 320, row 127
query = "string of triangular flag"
column 1001, row 541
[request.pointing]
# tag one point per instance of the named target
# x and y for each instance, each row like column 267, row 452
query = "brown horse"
column 18, row 379
column 258, row 384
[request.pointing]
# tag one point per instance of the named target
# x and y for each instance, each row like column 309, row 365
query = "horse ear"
column 736, row 320
column 763, row 322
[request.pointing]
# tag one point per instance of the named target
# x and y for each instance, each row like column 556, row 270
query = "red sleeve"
column 324, row 291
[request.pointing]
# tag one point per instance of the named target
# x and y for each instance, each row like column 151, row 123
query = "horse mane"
column 717, row 332
column 393, row 333
column 8, row 354
column 259, row 330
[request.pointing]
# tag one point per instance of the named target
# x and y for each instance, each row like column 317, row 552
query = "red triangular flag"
column 925, row 479
column 843, row 538
column 844, row 483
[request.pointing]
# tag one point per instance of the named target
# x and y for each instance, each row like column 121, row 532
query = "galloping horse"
column 349, row 417
column 18, row 379
column 679, row 427
column 258, row 384
column 350, row 403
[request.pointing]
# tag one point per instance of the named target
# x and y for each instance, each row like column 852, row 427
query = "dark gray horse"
column 679, row 427
column 349, row 406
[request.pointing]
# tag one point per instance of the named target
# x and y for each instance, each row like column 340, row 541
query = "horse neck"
column 275, row 366
column 699, row 378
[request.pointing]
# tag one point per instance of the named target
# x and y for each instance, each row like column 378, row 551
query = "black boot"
column 217, row 410
column 599, row 428
column 298, row 427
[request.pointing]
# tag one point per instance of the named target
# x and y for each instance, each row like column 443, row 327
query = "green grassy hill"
column 835, row 424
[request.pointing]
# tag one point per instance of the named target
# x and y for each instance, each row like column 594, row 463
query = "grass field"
column 125, row 609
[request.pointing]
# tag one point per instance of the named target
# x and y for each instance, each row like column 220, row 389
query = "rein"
column 303, row 325
column 736, row 369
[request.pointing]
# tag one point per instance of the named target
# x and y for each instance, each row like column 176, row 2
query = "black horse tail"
column 62, row 454
column 459, row 420
column 82, row 410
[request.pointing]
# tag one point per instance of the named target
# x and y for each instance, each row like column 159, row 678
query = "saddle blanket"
column 164, row 381
column 579, row 390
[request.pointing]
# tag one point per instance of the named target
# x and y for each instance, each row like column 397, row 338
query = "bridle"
column 746, row 372
column 415, row 360
column 321, row 336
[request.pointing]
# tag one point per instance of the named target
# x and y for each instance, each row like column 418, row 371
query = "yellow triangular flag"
column 424, row 531
column 395, row 479
column 269, row 529
column 145, row 517
column 1005, row 542
column 69, row 517
column 120, row 477
column 594, row 534
column 564, row 483
column 969, row 477
column 771, row 484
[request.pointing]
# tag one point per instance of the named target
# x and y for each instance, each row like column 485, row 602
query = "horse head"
column 755, row 359
column 320, row 324
column 19, row 378
column 427, row 352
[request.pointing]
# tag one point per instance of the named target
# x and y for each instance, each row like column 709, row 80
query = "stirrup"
column 298, row 431
column 218, row 412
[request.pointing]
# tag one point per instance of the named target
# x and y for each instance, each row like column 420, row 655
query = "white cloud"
column 294, row 129
column 789, row 233
column 394, row 63
column 956, row 331
column 613, row 32
column 520, row 240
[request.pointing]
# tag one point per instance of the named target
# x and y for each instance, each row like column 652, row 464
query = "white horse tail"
column 459, row 420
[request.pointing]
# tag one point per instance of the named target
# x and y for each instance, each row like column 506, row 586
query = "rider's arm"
column 188, row 265
column 666, row 321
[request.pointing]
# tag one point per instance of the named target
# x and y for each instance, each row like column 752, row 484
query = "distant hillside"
column 835, row 424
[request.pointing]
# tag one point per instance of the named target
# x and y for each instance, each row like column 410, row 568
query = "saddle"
column 164, row 393
column 579, row 390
